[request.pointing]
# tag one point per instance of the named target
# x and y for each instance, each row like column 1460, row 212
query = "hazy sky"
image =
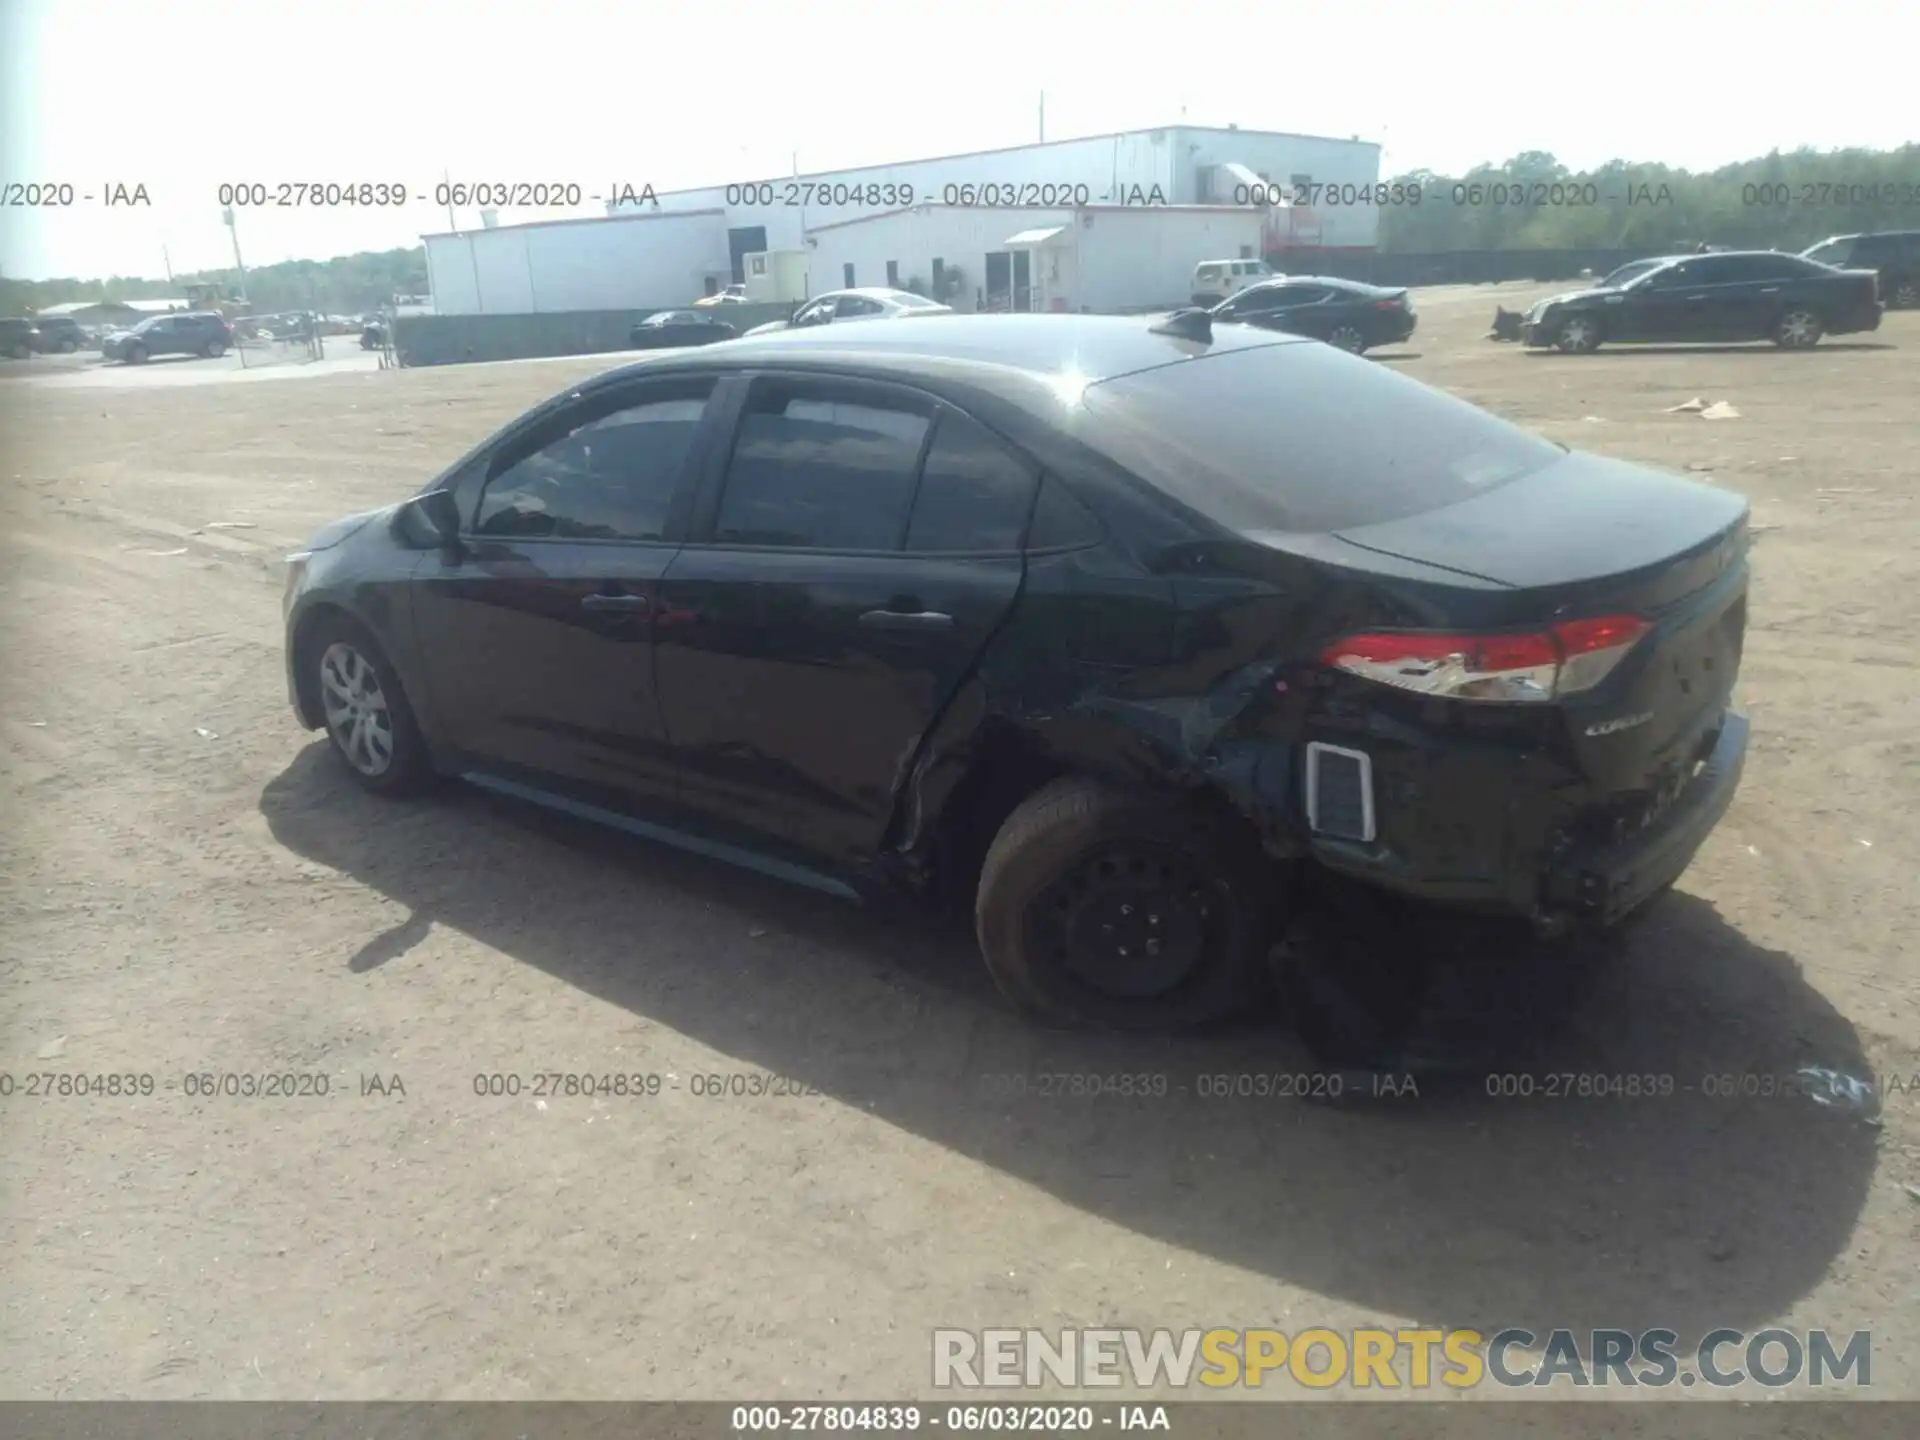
column 183, row 96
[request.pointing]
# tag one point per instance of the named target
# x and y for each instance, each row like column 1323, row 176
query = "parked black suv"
column 188, row 333
column 1894, row 254
column 58, row 335
column 17, row 338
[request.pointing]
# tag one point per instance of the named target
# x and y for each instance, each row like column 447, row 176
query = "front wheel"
column 67, row 346
column 1099, row 906
column 1578, row 335
column 368, row 719
column 1799, row 329
column 136, row 354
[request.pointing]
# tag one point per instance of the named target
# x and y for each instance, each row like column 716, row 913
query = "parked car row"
column 21, row 337
column 1019, row 615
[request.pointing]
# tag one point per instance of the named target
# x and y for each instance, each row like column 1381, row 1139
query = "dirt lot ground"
column 190, row 888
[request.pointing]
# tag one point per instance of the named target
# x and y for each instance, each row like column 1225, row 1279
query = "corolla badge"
column 1623, row 722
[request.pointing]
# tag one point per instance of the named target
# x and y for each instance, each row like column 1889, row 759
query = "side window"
column 852, row 306
column 817, row 313
column 1714, row 270
column 1874, row 250
column 611, row 477
column 974, row 493
column 1060, row 521
column 1209, row 272
column 815, row 468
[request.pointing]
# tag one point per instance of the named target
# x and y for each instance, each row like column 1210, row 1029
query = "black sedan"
column 1119, row 633
column 1733, row 295
column 673, row 329
column 1345, row 313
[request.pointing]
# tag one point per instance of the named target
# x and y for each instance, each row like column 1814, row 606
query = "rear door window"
column 974, row 493
column 820, row 466
column 1297, row 438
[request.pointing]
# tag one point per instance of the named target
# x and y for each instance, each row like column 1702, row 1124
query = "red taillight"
column 1542, row 665
column 1395, row 304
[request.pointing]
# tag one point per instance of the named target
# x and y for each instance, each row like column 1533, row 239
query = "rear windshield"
column 1299, row 437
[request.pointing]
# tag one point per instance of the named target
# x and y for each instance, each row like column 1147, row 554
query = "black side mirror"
column 432, row 522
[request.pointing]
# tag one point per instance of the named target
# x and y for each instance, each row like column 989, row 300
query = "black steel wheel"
column 1101, row 907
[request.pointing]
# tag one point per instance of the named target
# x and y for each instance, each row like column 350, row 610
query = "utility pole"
column 1043, row 117
column 167, row 260
column 446, row 177
column 238, row 263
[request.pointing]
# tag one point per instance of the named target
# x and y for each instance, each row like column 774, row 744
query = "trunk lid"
column 1587, row 537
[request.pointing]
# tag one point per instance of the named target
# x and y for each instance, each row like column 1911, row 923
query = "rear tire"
column 1798, row 329
column 67, row 347
column 1098, row 906
column 1905, row 296
column 1577, row 335
column 1348, row 338
column 370, row 726
column 215, row 349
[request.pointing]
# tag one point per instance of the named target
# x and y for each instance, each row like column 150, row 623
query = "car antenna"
column 1189, row 324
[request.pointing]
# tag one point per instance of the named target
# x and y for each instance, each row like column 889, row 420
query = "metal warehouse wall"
column 1344, row 163
column 1134, row 259
column 639, row 263
column 1110, row 166
column 960, row 237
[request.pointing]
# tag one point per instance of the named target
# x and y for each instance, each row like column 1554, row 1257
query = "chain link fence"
column 269, row 340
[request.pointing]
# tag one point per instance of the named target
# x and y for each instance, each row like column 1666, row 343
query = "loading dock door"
column 744, row 241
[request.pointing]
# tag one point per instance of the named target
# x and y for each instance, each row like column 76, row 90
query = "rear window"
column 1301, row 438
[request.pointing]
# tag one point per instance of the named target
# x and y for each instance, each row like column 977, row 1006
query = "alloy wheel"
column 1349, row 339
column 1799, row 329
column 356, row 709
column 1577, row 335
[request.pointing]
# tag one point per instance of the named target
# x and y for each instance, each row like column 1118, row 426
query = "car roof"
column 1338, row 282
column 1016, row 355
column 1864, row 235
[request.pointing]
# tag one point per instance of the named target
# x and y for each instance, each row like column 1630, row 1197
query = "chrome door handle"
column 614, row 602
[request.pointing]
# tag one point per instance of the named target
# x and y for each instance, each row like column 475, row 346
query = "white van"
column 1215, row 280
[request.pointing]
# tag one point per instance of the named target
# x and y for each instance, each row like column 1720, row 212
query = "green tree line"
column 1784, row 201
column 346, row 284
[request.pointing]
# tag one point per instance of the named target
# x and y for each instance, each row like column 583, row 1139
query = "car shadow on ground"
column 1624, row 348
column 1460, row 1207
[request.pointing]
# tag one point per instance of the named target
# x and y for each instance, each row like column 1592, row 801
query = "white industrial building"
column 626, row 262
column 1161, row 199
column 1176, row 165
column 1099, row 258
